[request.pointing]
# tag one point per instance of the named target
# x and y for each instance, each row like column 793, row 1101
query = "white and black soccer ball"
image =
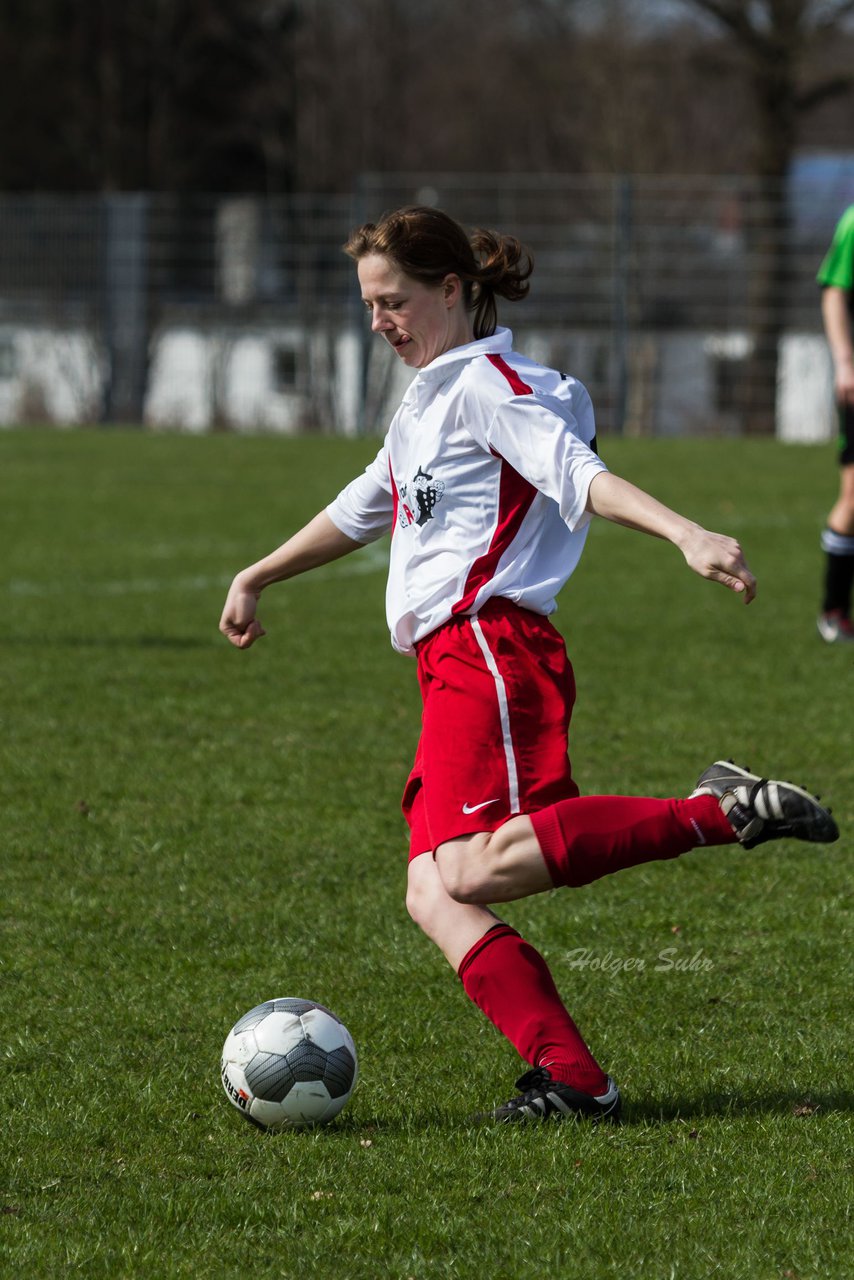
column 289, row 1063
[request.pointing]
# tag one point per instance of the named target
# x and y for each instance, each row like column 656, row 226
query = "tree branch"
column 732, row 14
column 832, row 87
column 834, row 16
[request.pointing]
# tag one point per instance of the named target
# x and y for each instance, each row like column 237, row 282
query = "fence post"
column 125, row 306
column 356, row 313
column 623, row 195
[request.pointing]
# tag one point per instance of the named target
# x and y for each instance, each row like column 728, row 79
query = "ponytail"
column 505, row 267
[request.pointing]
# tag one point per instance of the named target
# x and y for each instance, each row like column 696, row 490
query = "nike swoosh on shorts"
column 473, row 808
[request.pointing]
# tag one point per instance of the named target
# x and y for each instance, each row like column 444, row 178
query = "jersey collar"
column 447, row 363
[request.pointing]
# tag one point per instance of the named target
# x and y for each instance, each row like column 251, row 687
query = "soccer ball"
column 289, row 1063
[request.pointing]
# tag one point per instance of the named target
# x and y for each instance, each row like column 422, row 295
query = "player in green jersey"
column 836, row 276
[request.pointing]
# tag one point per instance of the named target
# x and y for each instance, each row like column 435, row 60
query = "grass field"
column 188, row 830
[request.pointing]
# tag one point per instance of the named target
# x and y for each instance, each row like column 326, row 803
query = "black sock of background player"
column 839, row 571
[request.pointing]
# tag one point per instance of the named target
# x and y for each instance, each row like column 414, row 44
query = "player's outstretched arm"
column 712, row 555
column 319, row 542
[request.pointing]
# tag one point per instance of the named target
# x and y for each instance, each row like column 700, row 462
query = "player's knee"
column 420, row 905
column 425, row 899
column 465, row 874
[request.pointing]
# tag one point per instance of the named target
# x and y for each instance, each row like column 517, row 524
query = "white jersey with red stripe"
column 482, row 480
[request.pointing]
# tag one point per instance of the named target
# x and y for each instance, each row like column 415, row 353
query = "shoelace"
column 533, row 1083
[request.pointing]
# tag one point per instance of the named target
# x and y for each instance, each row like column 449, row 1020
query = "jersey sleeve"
column 364, row 509
column 837, row 269
column 549, row 443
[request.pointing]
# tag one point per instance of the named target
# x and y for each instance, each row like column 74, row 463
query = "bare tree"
column 775, row 38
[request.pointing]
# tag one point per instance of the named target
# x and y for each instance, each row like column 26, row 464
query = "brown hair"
column 428, row 245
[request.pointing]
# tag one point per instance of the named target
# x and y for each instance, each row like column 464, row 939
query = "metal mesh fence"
column 686, row 305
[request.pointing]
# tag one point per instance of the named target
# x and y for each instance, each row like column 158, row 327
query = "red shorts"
column 498, row 691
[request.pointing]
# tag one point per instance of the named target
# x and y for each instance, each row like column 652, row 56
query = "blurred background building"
column 177, row 178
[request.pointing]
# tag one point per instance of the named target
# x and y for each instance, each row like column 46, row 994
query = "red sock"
column 592, row 836
column 510, row 982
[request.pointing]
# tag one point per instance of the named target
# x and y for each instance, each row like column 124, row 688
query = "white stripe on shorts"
column 503, row 711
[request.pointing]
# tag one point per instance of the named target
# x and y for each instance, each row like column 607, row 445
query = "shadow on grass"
column 640, row 1112
column 768, row 1102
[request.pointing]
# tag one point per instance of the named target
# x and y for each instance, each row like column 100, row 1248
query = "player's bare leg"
column 575, row 842
column 511, row 984
column 837, row 540
column 453, row 925
column 841, row 517
column 494, row 866
column 579, row 840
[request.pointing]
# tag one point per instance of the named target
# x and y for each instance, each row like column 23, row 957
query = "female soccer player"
column 836, row 277
column 487, row 480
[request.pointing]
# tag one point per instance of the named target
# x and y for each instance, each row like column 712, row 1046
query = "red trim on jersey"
column 519, row 387
column 394, row 498
column 515, row 495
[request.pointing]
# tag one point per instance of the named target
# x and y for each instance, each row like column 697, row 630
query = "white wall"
column 805, row 408
column 201, row 379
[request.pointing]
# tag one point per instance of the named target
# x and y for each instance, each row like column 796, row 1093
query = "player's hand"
column 238, row 622
column 720, row 558
column 844, row 384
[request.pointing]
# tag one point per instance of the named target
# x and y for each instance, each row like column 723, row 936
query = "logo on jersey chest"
column 418, row 498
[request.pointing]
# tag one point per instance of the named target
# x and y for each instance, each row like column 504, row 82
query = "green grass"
column 188, row 830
